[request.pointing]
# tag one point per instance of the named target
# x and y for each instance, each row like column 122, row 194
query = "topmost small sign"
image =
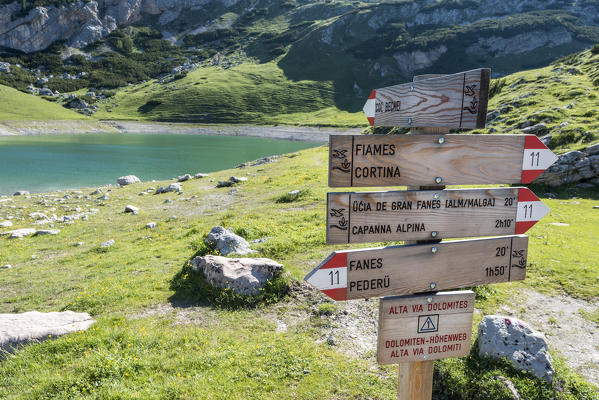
column 449, row 101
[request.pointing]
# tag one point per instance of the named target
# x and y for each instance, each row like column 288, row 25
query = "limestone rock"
column 525, row 348
column 21, row 193
column 200, row 175
column 573, row 167
column 151, row 225
column 19, row 233
column 7, row 266
column 173, row 187
column 4, row 67
column 127, row 180
column 224, row 184
column 183, row 178
column 5, row 224
column 108, row 243
column 226, row 242
column 19, row 329
column 243, row 275
column 41, row 232
column 535, row 129
column 131, row 209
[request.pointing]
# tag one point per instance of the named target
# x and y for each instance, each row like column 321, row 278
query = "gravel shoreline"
column 311, row 134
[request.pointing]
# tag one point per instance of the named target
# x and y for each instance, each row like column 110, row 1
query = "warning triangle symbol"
column 428, row 325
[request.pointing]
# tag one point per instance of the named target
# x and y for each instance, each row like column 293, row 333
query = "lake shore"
column 27, row 128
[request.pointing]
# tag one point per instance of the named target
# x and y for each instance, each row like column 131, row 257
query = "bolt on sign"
column 425, row 327
column 398, row 270
column 420, row 215
column 448, row 101
column 391, row 160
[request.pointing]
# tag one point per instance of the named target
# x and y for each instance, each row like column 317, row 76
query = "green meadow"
column 160, row 334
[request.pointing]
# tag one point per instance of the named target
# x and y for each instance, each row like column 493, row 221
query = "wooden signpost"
column 392, row 160
column 425, row 327
column 448, row 101
column 416, row 329
column 397, row 270
column 425, row 214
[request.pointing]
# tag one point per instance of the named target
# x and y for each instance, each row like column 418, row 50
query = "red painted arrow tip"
column 529, row 175
column 371, row 121
column 524, row 226
column 533, row 142
column 373, row 95
column 525, row 194
column 339, row 294
column 338, row 260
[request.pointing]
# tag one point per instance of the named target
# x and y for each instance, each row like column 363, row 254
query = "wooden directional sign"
column 449, row 101
column 427, row 214
column 392, row 160
column 398, row 270
column 425, row 327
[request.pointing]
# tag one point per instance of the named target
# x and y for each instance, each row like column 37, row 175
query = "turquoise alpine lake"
column 52, row 162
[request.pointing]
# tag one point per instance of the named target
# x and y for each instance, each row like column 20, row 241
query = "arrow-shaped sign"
column 392, row 160
column 424, row 215
column 449, row 101
column 398, row 270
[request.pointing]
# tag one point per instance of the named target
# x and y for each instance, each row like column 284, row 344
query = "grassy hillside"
column 563, row 96
column 346, row 47
column 161, row 335
column 20, row 106
column 249, row 93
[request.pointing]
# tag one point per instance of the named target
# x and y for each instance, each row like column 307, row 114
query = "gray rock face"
column 108, row 243
column 244, row 275
column 127, row 180
column 19, row 233
column 226, row 242
column 535, row 129
column 19, row 329
column 573, row 167
column 131, row 209
column 173, row 187
column 183, row 178
column 41, row 232
column 510, row 338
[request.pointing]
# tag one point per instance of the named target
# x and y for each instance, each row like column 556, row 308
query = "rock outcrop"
column 573, row 167
column 243, row 275
column 226, row 242
column 19, row 329
column 514, row 340
column 127, row 180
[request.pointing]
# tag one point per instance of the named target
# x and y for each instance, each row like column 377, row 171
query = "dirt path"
column 568, row 333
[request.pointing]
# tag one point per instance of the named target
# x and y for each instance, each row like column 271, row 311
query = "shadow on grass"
column 565, row 192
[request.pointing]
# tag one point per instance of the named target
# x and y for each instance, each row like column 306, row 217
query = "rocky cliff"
column 82, row 22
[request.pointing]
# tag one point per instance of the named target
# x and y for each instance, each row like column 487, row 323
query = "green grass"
column 157, row 338
column 249, row 93
column 552, row 96
column 20, row 106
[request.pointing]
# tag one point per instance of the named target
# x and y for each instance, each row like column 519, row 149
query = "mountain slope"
column 353, row 45
column 20, row 106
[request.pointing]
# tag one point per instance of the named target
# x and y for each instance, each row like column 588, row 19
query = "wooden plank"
column 449, row 101
column 418, row 268
column 425, row 327
column 392, row 160
column 415, row 380
column 421, row 215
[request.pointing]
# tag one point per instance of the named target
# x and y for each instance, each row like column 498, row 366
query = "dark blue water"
column 45, row 163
